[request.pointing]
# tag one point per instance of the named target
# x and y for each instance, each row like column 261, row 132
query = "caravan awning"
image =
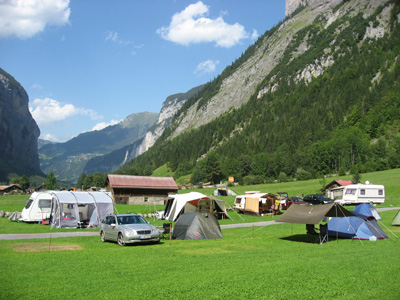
column 312, row 214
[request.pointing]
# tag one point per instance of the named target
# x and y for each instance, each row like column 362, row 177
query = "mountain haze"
column 117, row 158
column 68, row 160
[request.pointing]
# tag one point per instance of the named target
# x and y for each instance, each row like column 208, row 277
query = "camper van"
column 64, row 209
column 239, row 203
column 362, row 193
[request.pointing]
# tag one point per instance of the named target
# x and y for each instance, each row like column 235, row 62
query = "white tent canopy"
column 67, row 209
column 193, row 202
column 74, row 209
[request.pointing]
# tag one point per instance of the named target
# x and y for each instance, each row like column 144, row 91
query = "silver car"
column 128, row 228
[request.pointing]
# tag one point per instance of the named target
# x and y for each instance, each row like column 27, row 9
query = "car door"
column 109, row 231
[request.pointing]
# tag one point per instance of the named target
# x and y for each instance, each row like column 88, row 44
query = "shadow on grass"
column 303, row 238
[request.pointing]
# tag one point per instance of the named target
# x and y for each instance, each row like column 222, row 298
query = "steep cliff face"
column 18, row 131
column 292, row 5
column 170, row 107
column 249, row 78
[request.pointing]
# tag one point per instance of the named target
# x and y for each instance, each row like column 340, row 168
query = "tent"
column 359, row 226
column 259, row 203
column 193, row 202
column 367, row 210
column 396, row 219
column 65, row 209
column 224, row 192
column 77, row 209
column 197, row 226
column 312, row 214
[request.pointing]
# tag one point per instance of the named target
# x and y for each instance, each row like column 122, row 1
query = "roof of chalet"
column 339, row 183
column 6, row 187
column 141, row 182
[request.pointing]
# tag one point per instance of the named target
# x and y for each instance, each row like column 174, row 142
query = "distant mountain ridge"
column 68, row 160
column 117, row 158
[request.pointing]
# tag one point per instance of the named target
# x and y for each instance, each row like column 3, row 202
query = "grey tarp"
column 197, row 226
column 312, row 214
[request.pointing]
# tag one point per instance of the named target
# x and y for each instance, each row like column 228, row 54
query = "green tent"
column 197, row 226
column 396, row 219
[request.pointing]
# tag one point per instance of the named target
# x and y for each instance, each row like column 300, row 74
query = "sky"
column 87, row 64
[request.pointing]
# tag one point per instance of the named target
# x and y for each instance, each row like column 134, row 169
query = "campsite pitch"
column 250, row 262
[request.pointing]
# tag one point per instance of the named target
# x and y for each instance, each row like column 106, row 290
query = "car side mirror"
column 113, row 225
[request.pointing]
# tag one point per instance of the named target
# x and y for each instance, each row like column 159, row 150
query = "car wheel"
column 102, row 237
column 120, row 239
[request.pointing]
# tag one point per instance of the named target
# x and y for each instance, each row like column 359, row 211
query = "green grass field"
column 272, row 262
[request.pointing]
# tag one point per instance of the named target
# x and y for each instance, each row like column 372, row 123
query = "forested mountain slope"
column 319, row 93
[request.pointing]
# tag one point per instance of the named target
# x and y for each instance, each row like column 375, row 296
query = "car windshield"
column 124, row 220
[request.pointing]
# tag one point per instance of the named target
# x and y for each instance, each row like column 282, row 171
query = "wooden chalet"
column 335, row 188
column 6, row 189
column 130, row 189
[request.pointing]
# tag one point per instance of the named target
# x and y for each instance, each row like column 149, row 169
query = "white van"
column 362, row 193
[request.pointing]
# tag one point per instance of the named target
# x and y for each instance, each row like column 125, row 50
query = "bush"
column 253, row 179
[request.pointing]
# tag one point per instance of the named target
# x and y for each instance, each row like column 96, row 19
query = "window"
column 146, row 199
column 362, row 192
column 350, row 191
column 29, row 203
column 44, row 203
column 380, row 192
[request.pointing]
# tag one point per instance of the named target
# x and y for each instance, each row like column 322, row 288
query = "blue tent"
column 363, row 226
column 367, row 210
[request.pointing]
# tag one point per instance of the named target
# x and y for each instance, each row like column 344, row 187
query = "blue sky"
column 89, row 63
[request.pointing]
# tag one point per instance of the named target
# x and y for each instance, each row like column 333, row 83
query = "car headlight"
column 130, row 233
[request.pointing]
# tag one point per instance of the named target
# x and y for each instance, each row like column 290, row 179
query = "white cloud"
column 254, row 35
column 36, row 86
column 207, row 66
column 48, row 137
column 24, row 19
column 102, row 125
column 47, row 111
column 192, row 26
column 113, row 36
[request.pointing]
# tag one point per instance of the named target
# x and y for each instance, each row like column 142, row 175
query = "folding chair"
column 323, row 233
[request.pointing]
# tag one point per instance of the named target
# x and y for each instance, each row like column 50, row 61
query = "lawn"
column 272, row 262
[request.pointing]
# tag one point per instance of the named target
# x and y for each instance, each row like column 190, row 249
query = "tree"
column 355, row 171
column 81, row 180
column 51, row 181
column 24, row 182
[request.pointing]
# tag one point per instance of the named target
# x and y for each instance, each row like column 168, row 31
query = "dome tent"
column 197, row 226
column 362, row 226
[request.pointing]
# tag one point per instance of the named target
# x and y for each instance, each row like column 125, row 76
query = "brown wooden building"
column 130, row 189
column 13, row 188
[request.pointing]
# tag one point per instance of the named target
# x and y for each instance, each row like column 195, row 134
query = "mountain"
column 18, row 131
column 68, row 160
column 117, row 158
column 42, row 142
column 316, row 94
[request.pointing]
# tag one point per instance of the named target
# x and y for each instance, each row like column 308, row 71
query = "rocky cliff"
column 249, row 78
column 18, row 131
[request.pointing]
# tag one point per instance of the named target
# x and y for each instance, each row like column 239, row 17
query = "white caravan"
column 64, row 209
column 239, row 203
column 362, row 193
